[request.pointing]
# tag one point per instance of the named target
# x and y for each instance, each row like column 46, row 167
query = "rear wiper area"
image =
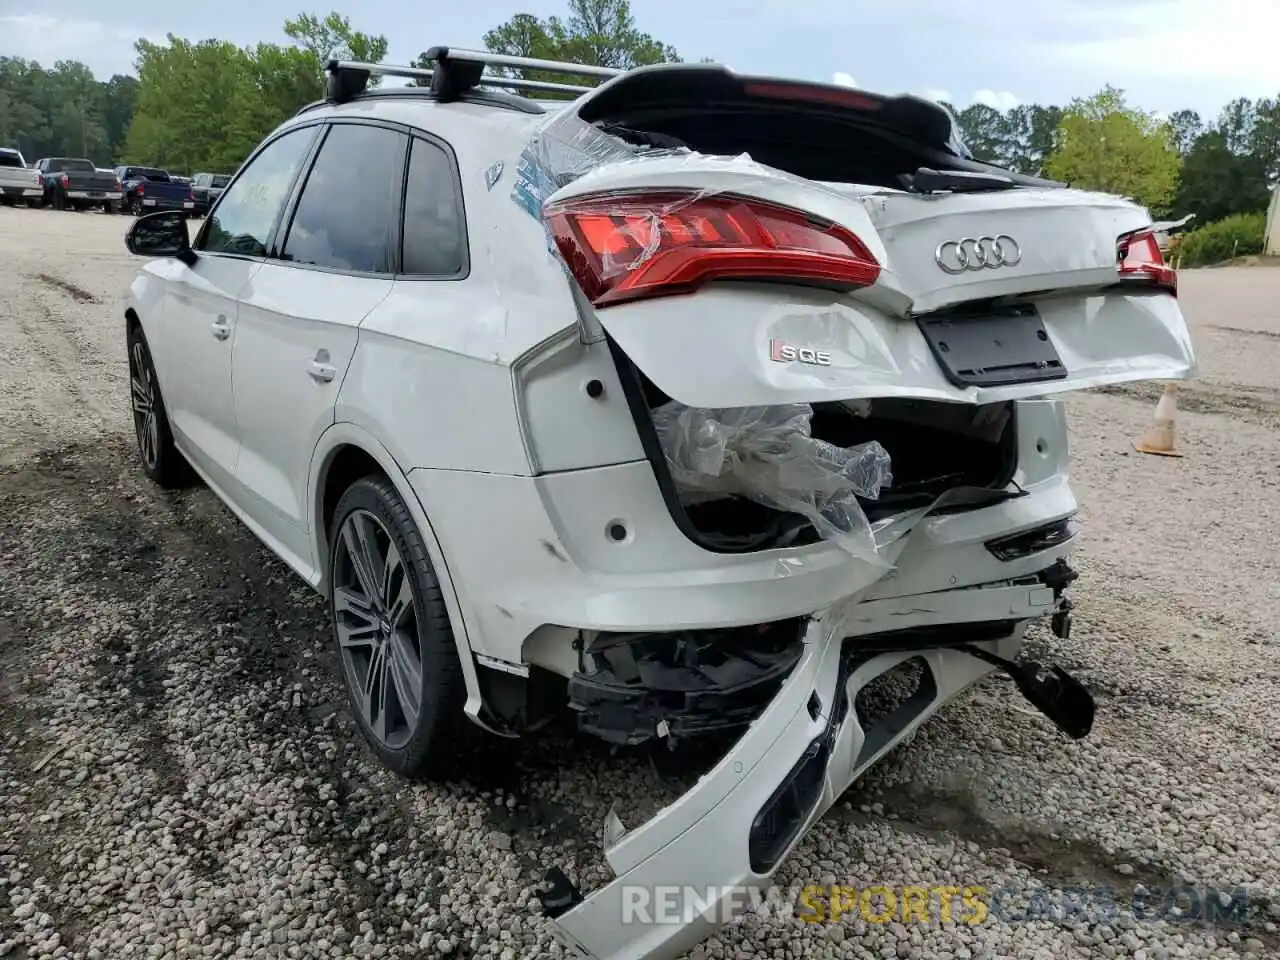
column 928, row 180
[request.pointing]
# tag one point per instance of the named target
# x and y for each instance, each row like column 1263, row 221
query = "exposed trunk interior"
column 934, row 448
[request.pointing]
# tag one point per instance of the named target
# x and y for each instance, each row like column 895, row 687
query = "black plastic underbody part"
column 992, row 347
column 1055, row 693
column 634, row 688
column 562, row 896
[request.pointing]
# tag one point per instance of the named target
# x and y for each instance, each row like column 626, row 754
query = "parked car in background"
column 74, row 183
column 18, row 182
column 207, row 188
column 150, row 188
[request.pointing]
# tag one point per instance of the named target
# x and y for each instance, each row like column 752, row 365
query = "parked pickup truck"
column 73, row 183
column 148, row 188
column 18, row 181
column 208, row 188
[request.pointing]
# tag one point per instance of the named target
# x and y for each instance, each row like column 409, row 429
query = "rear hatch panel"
column 1055, row 319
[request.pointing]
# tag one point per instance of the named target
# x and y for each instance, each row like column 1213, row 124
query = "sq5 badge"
column 783, row 352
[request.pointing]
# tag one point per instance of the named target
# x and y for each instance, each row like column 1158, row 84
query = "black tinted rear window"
column 219, row 180
column 9, row 159
column 149, row 173
column 71, row 165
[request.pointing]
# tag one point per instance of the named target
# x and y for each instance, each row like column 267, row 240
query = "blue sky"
column 1166, row 53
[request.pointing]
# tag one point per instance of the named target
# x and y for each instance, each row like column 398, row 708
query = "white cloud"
column 1228, row 42
column 936, row 95
column 843, row 79
column 104, row 48
column 1001, row 100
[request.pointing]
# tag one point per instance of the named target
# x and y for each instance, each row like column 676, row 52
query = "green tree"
column 1104, row 144
column 983, row 130
column 1186, row 127
column 334, row 37
column 1217, row 182
column 598, row 32
column 206, row 105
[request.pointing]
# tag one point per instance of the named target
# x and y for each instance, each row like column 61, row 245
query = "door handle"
column 322, row 372
column 221, row 329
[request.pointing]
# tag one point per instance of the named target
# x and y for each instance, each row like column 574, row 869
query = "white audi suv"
column 697, row 403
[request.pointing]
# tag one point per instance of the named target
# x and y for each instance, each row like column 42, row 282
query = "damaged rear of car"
column 839, row 339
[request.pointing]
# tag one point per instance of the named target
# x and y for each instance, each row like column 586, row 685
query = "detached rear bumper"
column 690, row 868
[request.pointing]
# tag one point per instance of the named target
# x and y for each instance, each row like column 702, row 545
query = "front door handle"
column 221, row 329
column 322, row 372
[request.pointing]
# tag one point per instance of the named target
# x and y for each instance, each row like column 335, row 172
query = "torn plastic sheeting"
column 769, row 455
column 565, row 149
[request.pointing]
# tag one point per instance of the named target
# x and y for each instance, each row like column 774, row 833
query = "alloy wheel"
column 377, row 628
column 143, row 391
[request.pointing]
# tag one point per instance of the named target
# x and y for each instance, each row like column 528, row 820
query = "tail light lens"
column 1139, row 259
column 623, row 247
column 141, row 188
column 119, row 185
column 191, row 194
column 66, row 181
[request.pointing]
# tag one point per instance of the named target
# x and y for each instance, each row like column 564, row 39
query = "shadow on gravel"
column 194, row 599
column 78, row 294
column 1054, row 860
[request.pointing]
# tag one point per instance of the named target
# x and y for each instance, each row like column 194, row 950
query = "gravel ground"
column 178, row 777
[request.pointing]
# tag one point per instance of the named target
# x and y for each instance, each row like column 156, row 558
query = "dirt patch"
column 1259, row 404
column 78, row 294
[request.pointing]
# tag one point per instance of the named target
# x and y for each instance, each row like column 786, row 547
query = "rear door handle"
column 221, row 329
column 322, row 372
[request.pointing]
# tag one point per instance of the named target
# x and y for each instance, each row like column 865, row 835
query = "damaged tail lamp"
column 623, row 247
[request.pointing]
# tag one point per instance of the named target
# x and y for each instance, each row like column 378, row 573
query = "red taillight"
column 141, row 188
column 191, row 194
column 623, row 247
column 1139, row 258
column 66, row 181
column 119, row 185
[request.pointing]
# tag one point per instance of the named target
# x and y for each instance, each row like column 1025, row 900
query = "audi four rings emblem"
column 978, row 253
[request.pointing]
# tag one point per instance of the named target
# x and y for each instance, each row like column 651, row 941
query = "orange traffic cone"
column 1161, row 437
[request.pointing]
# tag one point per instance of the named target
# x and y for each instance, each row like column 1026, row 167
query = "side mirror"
column 161, row 234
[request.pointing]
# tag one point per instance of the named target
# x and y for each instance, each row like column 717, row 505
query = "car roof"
column 473, row 117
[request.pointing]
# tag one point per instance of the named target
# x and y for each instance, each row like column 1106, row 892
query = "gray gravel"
column 178, row 777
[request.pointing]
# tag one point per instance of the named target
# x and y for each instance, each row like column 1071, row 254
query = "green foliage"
column 598, row 32
column 206, row 105
column 1236, row 236
column 1104, row 144
column 333, row 37
column 63, row 111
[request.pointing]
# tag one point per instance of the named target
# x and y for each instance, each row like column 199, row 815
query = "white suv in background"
column 698, row 404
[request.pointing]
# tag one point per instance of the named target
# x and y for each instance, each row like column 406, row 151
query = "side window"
column 242, row 221
column 434, row 242
column 346, row 216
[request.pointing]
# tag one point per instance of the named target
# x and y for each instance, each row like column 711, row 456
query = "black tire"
column 161, row 459
column 421, row 746
column 135, row 206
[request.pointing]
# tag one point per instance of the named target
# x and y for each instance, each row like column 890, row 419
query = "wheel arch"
column 344, row 453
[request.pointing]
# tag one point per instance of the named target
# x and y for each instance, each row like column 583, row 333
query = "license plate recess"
column 992, row 346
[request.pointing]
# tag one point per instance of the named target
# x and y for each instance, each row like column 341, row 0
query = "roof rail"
column 456, row 71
